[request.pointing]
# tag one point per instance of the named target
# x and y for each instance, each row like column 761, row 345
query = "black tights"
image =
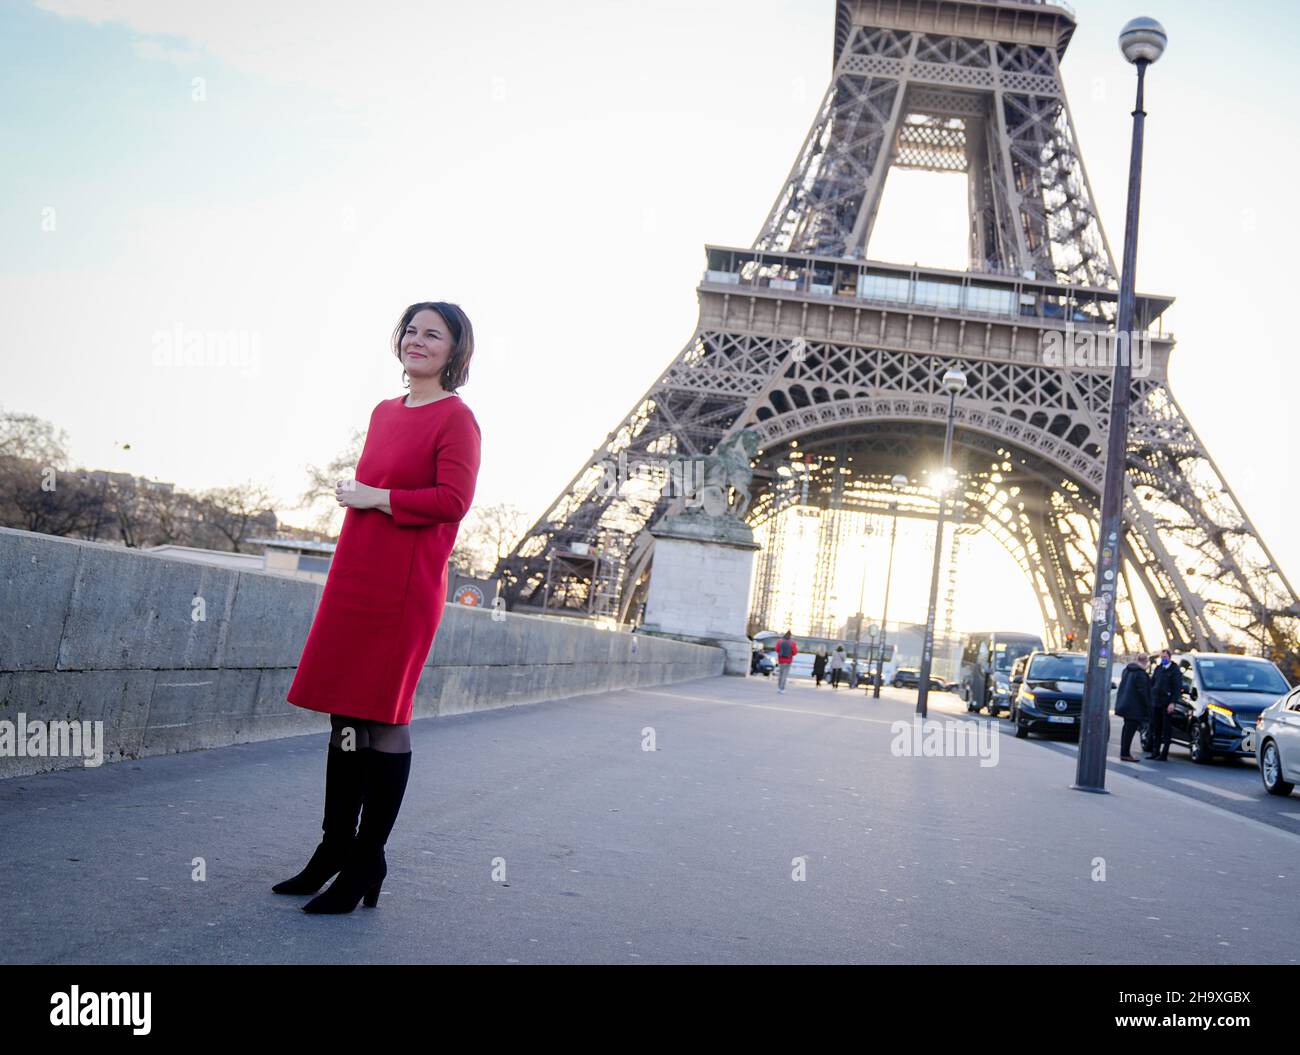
column 363, row 733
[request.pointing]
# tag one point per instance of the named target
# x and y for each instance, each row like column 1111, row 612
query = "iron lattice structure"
column 836, row 359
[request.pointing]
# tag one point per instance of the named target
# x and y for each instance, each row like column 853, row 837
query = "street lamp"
column 1142, row 41
column 899, row 482
column 954, row 381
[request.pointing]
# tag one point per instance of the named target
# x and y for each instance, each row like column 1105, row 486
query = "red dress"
column 387, row 583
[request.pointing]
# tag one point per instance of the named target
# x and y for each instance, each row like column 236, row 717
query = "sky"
column 287, row 177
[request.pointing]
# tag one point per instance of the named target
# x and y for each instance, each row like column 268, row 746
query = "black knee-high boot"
column 343, row 795
column 384, row 778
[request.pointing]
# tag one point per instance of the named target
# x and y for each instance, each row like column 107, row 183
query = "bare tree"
column 171, row 515
column 36, row 497
column 319, row 498
column 37, row 491
column 487, row 534
column 33, row 439
column 128, row 511
column 236, row 513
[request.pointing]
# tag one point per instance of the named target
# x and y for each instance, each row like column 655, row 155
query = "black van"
column 1223, row 693
column 1047, row 696
column 986, row 660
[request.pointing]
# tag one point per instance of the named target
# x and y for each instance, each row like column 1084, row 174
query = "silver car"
column 1277, row 744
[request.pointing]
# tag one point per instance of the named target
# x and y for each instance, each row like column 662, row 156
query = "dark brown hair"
column 456, row 372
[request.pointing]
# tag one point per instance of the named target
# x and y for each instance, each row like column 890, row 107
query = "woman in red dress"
column 383, row 600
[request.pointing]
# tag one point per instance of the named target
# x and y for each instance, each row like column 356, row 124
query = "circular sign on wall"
column 468, row 595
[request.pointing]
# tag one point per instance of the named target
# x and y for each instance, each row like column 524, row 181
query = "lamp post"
column 1142, row 41
column 898, row 482
column 954, row 381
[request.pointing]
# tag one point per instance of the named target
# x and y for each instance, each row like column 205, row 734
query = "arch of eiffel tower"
column 835, row 359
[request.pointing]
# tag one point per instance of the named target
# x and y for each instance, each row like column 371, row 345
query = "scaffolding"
column 610, row 560
column 960, row 534
column 830, row 528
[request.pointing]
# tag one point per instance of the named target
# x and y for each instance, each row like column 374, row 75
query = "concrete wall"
column 174, row 656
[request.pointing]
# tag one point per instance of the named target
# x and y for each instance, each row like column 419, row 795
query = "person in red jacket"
column 383, row 600
column 786, row 650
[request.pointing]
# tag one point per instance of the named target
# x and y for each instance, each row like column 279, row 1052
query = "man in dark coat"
column 1166, row 688
column 1133, row 703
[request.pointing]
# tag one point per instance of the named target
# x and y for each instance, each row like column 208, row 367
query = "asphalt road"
column 761, row 828
column 1232, row 784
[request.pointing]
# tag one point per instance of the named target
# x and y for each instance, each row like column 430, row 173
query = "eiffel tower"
column 835, row 359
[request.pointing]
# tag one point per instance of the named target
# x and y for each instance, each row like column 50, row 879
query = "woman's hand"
column 353, row 494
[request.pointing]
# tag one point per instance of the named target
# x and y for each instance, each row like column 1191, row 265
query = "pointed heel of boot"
column 360, row 879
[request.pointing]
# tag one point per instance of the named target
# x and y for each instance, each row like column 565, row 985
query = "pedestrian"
column 755, row 654
column 1133, row 703
column 383, row 600
column 819, row 664
column 837, row 666
column 786, row 650
column 1166, row 690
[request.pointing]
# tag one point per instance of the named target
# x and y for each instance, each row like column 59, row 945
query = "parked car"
column 765, row 665
column 1277, row 744
column 1048, row 695
column 910, row 678
column 1223, row 696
